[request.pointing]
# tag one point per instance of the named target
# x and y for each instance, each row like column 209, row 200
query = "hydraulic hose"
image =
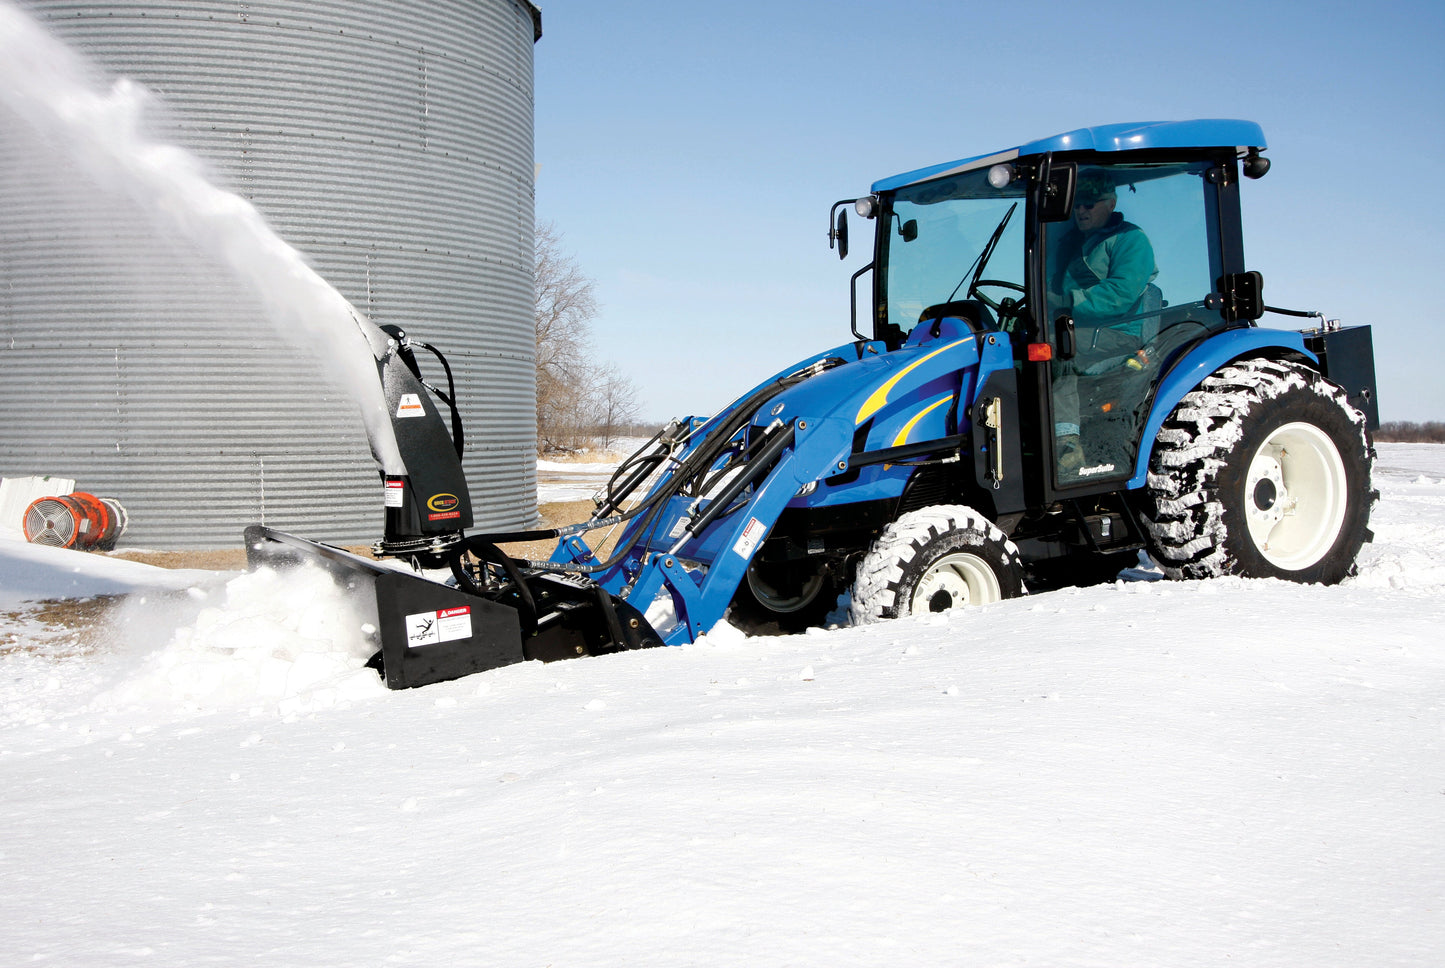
column 691, row 470
column 449, row 398
column 486, row 551
column 1295, row 312
column 760, row 465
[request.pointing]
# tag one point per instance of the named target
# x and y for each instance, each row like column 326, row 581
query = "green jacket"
column 1102, row 276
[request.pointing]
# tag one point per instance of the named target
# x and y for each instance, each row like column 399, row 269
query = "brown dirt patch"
column 234, row 559
column 76, row 626
column 224, row 559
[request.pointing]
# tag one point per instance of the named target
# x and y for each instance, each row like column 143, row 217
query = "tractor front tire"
column 933, row 559
column 786, row 597
column 1264, row 472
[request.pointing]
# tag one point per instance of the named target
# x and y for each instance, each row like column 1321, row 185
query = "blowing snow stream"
column 49, row 95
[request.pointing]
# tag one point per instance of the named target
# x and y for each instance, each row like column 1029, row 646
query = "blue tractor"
column 1059, row 366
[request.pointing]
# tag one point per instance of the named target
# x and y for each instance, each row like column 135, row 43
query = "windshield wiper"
column 975, row 271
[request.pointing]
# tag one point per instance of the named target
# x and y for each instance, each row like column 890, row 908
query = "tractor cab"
column 1105, row 254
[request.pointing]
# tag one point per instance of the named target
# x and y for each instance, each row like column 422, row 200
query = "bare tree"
column 615, row 402
column 565, row 306
column 576, row 399
column 1407, row 431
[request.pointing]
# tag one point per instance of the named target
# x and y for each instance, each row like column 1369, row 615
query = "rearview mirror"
column 838, row 226
column 1244, row 295
column 1056, row 203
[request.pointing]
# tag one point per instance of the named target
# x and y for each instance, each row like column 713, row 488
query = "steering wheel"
column 973, row 291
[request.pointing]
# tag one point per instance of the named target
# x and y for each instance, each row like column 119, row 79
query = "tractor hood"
column 883, row 399
column 844, row 426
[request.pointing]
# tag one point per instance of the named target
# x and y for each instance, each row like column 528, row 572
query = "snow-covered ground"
column 1223, row 772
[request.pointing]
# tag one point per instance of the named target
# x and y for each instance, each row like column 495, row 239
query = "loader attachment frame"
column 424, row 631
column 428, row 631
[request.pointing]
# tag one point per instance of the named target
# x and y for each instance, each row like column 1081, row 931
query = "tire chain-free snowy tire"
column 933, row 559
column 1263, row 471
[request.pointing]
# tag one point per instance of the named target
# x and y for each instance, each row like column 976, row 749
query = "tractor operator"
column 1101, row 270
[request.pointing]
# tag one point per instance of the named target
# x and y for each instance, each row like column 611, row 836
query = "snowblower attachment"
column 425, row 631
column 491, row 613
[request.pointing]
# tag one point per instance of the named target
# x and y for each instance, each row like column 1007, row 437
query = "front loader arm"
column 802, row 442
column 685, row 579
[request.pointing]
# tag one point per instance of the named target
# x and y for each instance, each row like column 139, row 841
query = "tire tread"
column 1183, row 510
column 880, row 574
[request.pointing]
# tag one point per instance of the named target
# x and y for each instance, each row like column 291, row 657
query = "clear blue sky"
column 690, row 154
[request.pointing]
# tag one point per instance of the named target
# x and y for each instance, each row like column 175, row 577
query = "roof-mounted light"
column 1000, row 175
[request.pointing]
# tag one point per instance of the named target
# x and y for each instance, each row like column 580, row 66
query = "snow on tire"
column 933, row 559
column 1263, row 471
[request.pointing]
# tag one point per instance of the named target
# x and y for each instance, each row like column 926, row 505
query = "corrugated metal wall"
column 391, row 142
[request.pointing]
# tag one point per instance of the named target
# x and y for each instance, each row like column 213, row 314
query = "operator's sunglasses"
column 1096, row 201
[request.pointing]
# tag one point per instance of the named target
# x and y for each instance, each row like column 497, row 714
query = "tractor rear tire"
column 1264, row 472
column 933, row 559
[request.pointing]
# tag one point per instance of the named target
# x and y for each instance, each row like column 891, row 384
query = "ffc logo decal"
column 444, row 506
column 443, row 502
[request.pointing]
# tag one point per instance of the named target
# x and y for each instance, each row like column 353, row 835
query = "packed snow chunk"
column 1403, row 570
column 723, row 633
column 292, row 637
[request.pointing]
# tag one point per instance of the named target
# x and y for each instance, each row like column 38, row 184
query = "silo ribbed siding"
column 391, row 143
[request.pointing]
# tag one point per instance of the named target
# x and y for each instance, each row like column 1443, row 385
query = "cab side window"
column 1132, row 268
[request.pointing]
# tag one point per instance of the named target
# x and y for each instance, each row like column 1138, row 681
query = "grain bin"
column 391, row 143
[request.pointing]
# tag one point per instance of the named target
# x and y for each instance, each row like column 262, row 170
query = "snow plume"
column 294, row 640
column 55, row 94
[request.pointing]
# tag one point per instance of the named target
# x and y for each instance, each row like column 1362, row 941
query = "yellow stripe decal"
column 902, row 437
column 879, row 398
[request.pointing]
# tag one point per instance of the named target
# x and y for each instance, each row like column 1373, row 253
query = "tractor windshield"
column 950, row 239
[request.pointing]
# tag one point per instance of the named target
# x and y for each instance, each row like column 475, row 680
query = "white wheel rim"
column 1294, row 496
column 954, row 581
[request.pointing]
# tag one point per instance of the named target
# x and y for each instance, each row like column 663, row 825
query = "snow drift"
column 1156, row 773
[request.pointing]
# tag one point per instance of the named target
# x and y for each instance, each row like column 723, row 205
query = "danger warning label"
column 752, row 534
column 444, row 625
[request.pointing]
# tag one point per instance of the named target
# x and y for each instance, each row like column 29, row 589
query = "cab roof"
column 1136, row 136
